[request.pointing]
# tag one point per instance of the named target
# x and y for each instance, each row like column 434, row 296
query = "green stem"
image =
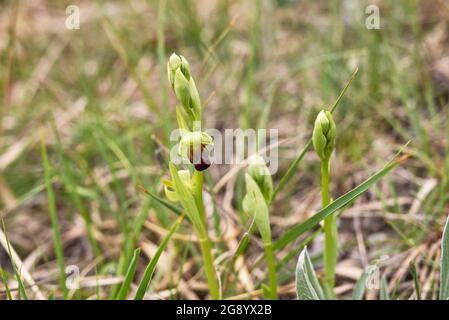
column 209, row 269
column 271, row 270
column 204, row 239
column 330, row 233
column 198, row 182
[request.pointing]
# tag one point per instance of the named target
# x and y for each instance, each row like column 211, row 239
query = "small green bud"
column 173, row 64
column 169, row 190
column 260, row 173
column 193, row 147
column 170, row 193
column 174, row 61
column 182, row 83
column 324, row 135
column 177, row 62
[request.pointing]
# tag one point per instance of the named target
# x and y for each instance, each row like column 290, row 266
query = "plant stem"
column 209, row 268
column 204, row 239
column 271, row 270
column 198, row 182
column 330, row 233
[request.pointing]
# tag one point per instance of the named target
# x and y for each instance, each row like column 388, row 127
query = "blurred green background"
column 98, row 99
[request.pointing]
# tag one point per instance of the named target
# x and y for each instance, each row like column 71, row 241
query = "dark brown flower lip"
column 204, row 162
column 201, row 166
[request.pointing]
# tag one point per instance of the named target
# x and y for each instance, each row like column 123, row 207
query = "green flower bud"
column 169, row 190
column 193, row 147
column 324, row 134
column 261, row 175
column 182, row 83
column 173, row 64
column 177, row 62
column 170, row 193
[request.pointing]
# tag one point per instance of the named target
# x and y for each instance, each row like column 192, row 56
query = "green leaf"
column 295, row 232
column 259, row 207
column 182, row 124
column 182, row 89
column 444, row 266
column 307, row 285
column 260, row 173
column 129, row 276
column 187, row 200
column 149, row 270
column 195, row 99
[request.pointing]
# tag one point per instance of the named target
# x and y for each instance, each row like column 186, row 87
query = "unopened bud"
column 176, row 62
column 182, row 83
column 260, row 173
column 324, row 134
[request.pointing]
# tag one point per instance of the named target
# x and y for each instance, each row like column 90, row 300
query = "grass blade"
column 415, row 281
column 129, row 276
column 148, row 274
column 384, row 295
column 5, row 283
column 444, row 266
column 54, row 219
column 166, row 204
column 292, row 234
column 4, row 238
column 130, row 243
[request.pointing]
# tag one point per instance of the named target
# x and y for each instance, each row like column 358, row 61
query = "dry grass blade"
column 19, row 265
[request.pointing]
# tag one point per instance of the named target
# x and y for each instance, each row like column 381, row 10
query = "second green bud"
column 324, row 134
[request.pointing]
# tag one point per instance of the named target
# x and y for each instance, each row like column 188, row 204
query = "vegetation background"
column 86, row 114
